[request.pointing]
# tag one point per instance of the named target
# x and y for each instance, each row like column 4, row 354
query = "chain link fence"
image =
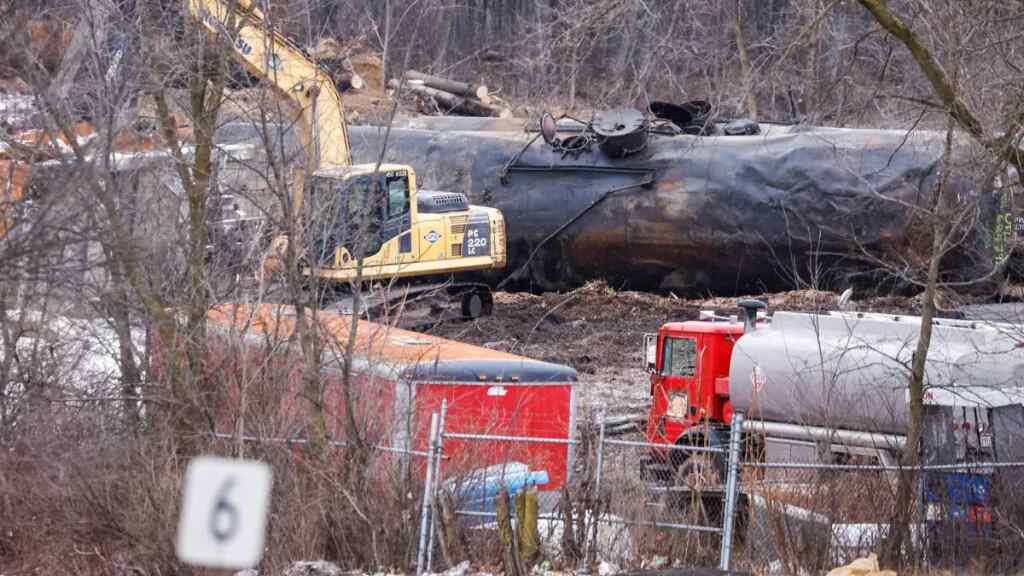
column 377, row 484
column 632, row 504
column 635, row 504
column 607, row 506
column 814, row 516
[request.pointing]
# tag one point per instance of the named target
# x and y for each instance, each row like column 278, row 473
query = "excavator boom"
column 273, row 58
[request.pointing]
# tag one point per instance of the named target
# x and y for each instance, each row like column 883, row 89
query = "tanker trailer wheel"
column 696, row 496
column 699, row 477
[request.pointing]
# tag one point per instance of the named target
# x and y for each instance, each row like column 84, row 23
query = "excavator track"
column 416, row 305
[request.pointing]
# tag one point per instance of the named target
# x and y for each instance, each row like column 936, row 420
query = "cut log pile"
column 450, row 96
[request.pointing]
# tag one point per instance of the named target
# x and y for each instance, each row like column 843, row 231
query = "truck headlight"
column 678, row 403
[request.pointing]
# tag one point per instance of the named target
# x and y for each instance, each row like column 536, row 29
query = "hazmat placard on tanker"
column 398, row 379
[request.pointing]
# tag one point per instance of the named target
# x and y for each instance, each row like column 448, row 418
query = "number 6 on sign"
column 224, row 516
column 224, row 513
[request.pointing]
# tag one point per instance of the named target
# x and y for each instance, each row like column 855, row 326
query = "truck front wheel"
column 698, row 472
column 706, row 469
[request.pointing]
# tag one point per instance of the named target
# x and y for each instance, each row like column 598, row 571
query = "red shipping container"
column 399, row 378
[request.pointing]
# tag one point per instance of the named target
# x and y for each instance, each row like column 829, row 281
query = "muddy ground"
column 599, row 331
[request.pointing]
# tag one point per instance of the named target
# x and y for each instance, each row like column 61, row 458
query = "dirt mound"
column 594, row 329
column 371, row 68
column 793, row 300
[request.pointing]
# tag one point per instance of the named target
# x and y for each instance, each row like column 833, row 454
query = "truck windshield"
column 679, row 357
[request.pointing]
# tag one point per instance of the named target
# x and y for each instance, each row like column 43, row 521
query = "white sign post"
column 224, row 513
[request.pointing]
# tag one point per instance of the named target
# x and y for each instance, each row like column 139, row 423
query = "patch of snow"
column 313, row 568
column 614, row 541
column 17, row 104
column 80, row 355
column 462, row 569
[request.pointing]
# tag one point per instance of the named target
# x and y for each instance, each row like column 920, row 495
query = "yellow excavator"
column 426, row 239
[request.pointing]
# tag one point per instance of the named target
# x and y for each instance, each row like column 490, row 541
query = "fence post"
column 436, row 463
column 731, row 490
column 421, row 555
column 589, row 542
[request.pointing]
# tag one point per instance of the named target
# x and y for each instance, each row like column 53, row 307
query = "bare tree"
column 953, row 32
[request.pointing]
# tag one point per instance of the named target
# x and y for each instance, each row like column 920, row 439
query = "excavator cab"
column 379, row 216
column 354, row 216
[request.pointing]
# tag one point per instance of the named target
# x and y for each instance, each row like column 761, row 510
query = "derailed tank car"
column 732, row 210
column 684, row 212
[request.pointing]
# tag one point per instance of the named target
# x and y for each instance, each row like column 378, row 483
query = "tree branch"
column 944, row 89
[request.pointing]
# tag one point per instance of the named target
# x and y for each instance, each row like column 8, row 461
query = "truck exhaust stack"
column 750, row 308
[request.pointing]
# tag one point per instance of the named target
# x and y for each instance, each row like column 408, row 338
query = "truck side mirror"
column 651, row 352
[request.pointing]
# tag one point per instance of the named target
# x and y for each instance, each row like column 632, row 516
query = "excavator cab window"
column 347, row 214
column 364, row 215
column 357, row 195
column 398, row 195
column 398, row 220
column 326, row 221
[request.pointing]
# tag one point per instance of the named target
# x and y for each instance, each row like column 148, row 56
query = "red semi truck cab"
column 688, row 364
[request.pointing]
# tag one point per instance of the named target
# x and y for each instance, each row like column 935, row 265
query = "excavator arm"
column 270, row 56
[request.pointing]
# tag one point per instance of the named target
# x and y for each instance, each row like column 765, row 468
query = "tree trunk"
column 447, row 101
column 118, row 312
column 385, row 59
column 526, row 514
column 510, row 557
column 478, row 91
column 906, row 495
column 745, row 66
